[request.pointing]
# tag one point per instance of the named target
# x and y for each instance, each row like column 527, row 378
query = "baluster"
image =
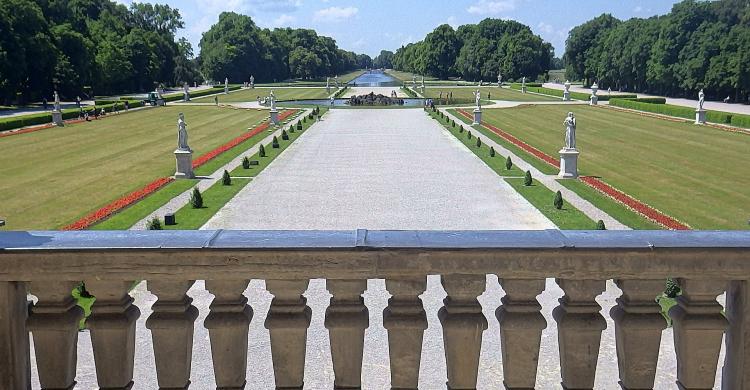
column 579, row 331
column 698, row 330
column 463, row 323
column 736, row 371
column 112, row 325
column 228, row 322
column 638, row 327
column 172, row 325
column 287, row 322
column 521, row 326
column 15, row 367
column 54, row 323
column 406, row 321
column 346, row 320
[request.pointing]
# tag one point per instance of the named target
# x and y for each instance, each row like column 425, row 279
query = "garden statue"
column 701, row 99
column 478, row 110
column 57, row 102
column 272, row 98
column 336, row 80
column 594, row 99
column 566, row 92
column 186, row 92
column 422, row 83
column 523, row 84
column 182, row 135
column 414, row 79
column 478, row 98
column 499, row 79
column 570, row 131
column 252, row 81
column 700, row 113
column 480, row 83
column 328, row 85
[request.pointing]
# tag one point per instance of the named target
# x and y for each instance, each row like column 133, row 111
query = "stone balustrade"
column 49, row 264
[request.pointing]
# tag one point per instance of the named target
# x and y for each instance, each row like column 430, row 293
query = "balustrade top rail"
column 124, row 255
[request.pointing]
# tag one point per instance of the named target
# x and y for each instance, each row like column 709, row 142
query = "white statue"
column 480, row 83
column 182, row 135
column 523, row 81
column 328, row 82
column 570, row 131
column 499, row 79
column 57, row 102
column 252, row 81
column 414, row 79
column 186, row 88
column 336, row 80
column 422, row 81
column 567, row 86
column 272, row 98
column 478, row 98
column 701, row 99
column 226, row 82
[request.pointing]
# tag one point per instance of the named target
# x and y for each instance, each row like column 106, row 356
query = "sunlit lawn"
column 696, row 174
column 52, row 177
column 466, row 94
column 251, row 94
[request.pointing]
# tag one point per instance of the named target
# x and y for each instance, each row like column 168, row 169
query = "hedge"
column 196, row 94
column 46, row 117
column 652, row 100
column 573, row 95
column 721, row 117
column 518, row 85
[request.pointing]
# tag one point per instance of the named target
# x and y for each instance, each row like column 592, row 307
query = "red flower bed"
column 152, row 187
column 118, row 204
column 619, row 196
column 229, row 145
column 515, row 141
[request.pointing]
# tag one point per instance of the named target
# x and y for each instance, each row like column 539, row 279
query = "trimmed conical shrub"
column 275, row 142
column 558, row 202
column 527, row 179
column 453, row 123
column 196, row 199
column 261, row 151
column 154, row 224
column 226, row 179
column 479, row 142
column 468, row 134
column 508, row 163
column 284, row 135
column 304, row 119
column 299, row 126
column 245, row 163
column 600, row 225
column 460, row 129
column 492, row 151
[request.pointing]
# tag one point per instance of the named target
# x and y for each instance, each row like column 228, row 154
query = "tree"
column 303, row 63
column 383, row 60
column 442, row 46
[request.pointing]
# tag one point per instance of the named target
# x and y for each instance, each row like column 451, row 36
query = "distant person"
column 726, row 99
column 127, row 105
column 488, row 95
column 44, row 104
column 78, row 101
column 216, row 100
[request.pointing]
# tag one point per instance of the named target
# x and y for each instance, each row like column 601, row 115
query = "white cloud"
column 452, row 21
column 359, row 43
column 284, row 20
column 638, row 9
column 275, row 5
column 545, row 28
column 335, row 14
column 487, row 7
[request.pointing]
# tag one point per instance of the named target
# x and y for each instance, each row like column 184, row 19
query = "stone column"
column 463, row 323
column 172, row 325
column 57, row 118
column 54, row 324
column 736, row 371
column 568, row 163
column 698, row 331
column 638, row 327
column 274, row 116
column 700, row 116
column 521, row 326
column 15, row 370
column 287, row 322
column 346, row 320
column 579, row 331
column 406, row 321
column 112, row 325
column 227, row 325
column 184, row 168
column 477, row 116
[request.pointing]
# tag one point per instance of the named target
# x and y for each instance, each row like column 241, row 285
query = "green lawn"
column 496, row 163
column 696, row 174
column 407, row 76
column 214, row 198
column 251, row 95
column 541, row 197
column 466, row 94
column 53, row 177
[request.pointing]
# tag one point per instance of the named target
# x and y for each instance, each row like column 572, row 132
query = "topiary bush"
column 468, row 134
column 226, row 179
column 453, row 123
column 492, row 151
column 299, row 126
column 508, row 163
column 558, row 202
column 304, row 119
column 275, row 142
column 461, row 129
column 479, row 142
column 154, row 224
column 527, row 181
column 261, row 151
column 600, row 225
column 672, row 288
column 245, row 163
column 284, row 135
column 196, row 199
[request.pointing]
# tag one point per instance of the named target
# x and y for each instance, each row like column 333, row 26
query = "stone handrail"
column 49, row 264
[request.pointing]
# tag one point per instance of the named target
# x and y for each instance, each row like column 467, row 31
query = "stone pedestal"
column 184, row 164
column 594, row 100
column 566, row 96
column 523, row 89
column 186, row 97
column 226, row 90
column 274, row 116
column 57, row 118
column 568, row 163
column 700, row 117
column 477, row 116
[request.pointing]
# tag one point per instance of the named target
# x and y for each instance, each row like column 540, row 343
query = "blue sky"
column 367, row 26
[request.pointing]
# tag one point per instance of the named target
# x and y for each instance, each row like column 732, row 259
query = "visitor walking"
column 78, row 101
column 216, row 100
column 44, row 104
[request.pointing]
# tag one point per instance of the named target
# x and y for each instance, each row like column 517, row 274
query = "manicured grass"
column 532, row 160
column 214, row 198
column 407, row 76
column 125, row 219
column 696, row 174
column 615, row 209
column 466, row 94
column 567, row 218
column 251, row 95
column 52, row 177
column 496, row 163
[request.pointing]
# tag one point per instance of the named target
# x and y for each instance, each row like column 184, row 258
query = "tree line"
column 699, row 44
column 475, row 52
column 235, row 47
